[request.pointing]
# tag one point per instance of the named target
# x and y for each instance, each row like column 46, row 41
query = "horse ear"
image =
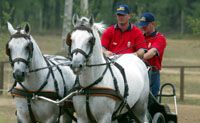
column 91, row 20
column 75, row 19
column 11, row 29
column 27, row 28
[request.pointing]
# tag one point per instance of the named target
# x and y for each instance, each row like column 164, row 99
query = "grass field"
column 178, row 52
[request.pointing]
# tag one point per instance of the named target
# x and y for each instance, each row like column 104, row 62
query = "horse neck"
column 90, row 74
column 35, row 79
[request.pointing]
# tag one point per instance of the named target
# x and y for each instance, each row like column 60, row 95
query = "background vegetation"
column 179, row 16
column 179, row 20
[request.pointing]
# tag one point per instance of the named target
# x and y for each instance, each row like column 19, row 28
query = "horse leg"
column 140, row 108
column 65, row 118
column 18, row 120
column 22, row 119
column 81, row 120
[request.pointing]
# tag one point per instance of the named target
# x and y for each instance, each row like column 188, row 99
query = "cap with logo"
column 123, row 9
column 146, row 18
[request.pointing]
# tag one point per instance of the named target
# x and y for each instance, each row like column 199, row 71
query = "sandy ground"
column 186, row 113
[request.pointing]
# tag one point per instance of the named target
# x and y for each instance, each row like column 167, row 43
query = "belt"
column 154, row 69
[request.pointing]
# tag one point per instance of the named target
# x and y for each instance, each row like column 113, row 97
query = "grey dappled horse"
column 25, row 56
column 95, row 72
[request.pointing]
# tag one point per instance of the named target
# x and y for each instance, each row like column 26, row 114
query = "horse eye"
column 91, row 41
column 27, row 47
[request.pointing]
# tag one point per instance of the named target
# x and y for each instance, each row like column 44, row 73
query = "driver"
column 123, row 37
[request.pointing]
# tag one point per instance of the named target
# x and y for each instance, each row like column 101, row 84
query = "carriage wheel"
column 149, row 117
column 158, row 118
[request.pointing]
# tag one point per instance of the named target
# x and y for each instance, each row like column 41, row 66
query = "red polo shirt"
column 158, row 41
column 129, row 41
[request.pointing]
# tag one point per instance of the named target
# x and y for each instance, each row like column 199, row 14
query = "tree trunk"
column 84, row 7
column 67, row 19
column 182, row 22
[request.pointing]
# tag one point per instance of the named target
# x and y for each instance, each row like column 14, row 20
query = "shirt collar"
column 130, row 26
column 152, row 34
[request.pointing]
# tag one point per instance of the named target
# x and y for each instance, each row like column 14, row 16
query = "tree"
column 66, row 21
column 84, row 7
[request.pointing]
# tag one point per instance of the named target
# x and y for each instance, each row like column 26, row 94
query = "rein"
column 51, row 66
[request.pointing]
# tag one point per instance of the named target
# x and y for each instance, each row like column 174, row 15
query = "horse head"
column 83, row 21
column 82, row 41
column 20, row 51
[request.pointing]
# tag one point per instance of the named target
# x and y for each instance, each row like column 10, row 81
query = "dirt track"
column 186, row 113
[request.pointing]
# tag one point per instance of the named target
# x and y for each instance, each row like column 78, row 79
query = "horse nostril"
column 19, row 75
column 23, row 74
column 80, row 65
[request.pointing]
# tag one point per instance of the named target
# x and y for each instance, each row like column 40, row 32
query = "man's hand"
column 151, row 53
column 140, row 53
column 108, row 53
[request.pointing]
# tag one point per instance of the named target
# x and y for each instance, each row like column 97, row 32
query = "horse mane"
column 100, row 27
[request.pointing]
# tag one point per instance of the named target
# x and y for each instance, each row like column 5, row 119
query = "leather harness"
column 29, row 94
column 90, row 90
column 106, row 92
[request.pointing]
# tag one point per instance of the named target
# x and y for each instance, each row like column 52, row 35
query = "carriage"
column 101, row 80
column 161, row 113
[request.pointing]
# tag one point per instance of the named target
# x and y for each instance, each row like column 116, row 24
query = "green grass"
column 7, row 110
column 178, row 52
column 49, row 44
column 182, row 52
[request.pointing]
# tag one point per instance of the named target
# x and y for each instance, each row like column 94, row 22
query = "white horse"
column 25, row 56
column 88, row 63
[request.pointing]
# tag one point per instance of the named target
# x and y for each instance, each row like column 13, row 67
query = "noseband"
column 30, row 49
column 77, row 50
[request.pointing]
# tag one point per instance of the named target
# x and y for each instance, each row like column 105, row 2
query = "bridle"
column 78, row 50
column 29, row 48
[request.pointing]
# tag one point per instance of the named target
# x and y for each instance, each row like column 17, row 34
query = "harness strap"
column 132, row 114
column 124, row 102
column 45, row 83
column 20, row 60
column 89, row 113
column 55, row 81
column 98, row 80
column 31, row 94
column 60, row 71
column 101, row 91
column 33, row 120
column 121, row 69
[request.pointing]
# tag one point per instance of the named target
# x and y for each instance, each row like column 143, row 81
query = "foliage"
column 3, row 41
column 45, row 15
column 193, row 24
